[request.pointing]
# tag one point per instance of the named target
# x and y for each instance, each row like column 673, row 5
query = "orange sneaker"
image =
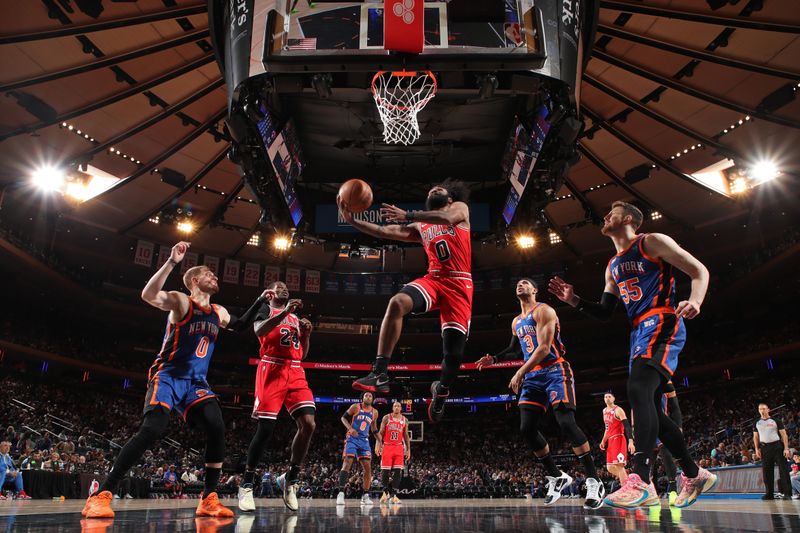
column 211, row 525
column 99, row 506
column 210, row 506
column 96, row 525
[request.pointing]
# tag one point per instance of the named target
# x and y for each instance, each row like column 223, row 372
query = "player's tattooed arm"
column 395, row 232
column 665, row 248
column 347, row 417
column 546, row 322
column 457, row 213
column 175, row 302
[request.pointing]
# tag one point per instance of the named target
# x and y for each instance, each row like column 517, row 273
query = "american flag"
column 302, row 44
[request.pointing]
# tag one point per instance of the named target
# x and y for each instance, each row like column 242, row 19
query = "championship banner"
column 293, row 279
column 403, row 25
column 189, row 260
column 312, row 281
column 144, row 253
column 271, row 275
column 231, row 272
column 252, row 274
column 163, row 255
column 351, row 283
column 331, row 282
column 212, row 263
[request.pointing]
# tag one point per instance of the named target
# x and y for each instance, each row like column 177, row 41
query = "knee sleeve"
column 453, row 344
column 529, row 427
column 208, row 417
column 566, row 421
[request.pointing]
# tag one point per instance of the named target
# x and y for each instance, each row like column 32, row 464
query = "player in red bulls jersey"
column 394, row 447
column 545, row 380
column 360, row 420
column 177, row 379
column 641, row 274
column 280, row 382
column 444, row 231
column 617, row 438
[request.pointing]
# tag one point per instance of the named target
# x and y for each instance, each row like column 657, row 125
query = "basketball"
column 356, row 195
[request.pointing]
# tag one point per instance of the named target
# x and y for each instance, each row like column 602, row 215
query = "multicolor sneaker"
column 396, row 500
column 554, row 487
column 632, row 494
column 372, row 382
column 693, row 487
column 384, row 497
column 99, row 506
column 210, row 506
column 653, row 498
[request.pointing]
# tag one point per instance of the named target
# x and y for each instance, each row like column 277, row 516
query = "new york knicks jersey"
column 449, row 249
column 645, row 283
column 362, row 421
column 188, row 345
column 394, row 431
column 282, row 341
column 525, row 330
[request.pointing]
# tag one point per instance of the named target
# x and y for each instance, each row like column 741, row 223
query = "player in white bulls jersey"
column 394, row 446
column 444, row 231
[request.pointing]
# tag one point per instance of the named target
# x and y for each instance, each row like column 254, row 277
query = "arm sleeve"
column 246, row 319
column 675, row 411
column 513, row 351
column 601, row 310
column 628, row 432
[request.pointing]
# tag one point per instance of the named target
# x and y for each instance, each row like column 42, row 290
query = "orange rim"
column 403, row 74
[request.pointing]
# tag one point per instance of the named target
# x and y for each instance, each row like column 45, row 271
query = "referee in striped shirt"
column 772, row 447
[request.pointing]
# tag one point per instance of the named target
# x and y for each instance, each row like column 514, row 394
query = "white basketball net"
column 399, row 97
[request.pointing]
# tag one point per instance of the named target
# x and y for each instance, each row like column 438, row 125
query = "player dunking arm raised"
column 641, row 274
column 360, row 420
column 545, row 379
column 617, row 438
column 177, row 379
column 394, row 446
column 444, row 231
column 280, row 382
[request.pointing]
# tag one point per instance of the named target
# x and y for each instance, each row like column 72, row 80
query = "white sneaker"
column 128, row 497
column 289, row 493
column 365, row 499
column 554, row 487
column 340, row 498
column 246, row 502
column 116, row 496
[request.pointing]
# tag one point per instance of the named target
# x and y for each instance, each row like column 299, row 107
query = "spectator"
column 772, row 447
column 267, row 490
column 795, row 475
column 53, row 463
column 718, row 453
column 9, row 473
column 32, row 461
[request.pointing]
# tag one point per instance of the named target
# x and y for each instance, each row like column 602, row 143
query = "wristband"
column 409, row 215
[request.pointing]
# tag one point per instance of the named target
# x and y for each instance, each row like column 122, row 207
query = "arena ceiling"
column 673, row 87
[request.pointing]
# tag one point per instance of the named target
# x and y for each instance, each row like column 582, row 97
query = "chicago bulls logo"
column 403, row 9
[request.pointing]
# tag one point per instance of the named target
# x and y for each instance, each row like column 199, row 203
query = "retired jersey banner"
column 271, row 275
column 403, row 25
column 189, row 260
column 144, row 253
column 293, row 279
column 331, row 282
column 312, row 281
column 163, row 255
column 351, row 283
column 231, row 272
column 252, row 274
column 212, row 263
column 370, row 285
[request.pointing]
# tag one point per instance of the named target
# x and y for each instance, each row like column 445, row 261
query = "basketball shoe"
column 436, row 407
column 372, row 382
column 693, row 487
column 289, row 491
column 554, row 487
column 210, row 506
column 632, row 494
column 99, row 506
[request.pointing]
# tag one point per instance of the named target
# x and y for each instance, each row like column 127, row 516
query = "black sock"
column 249, row 477
column 381, row 365
column 343, row 475
column 549, row 465
column 641, row 466
column 587, row 461
column 293, row 474
column 387, row 487
column 212, row 478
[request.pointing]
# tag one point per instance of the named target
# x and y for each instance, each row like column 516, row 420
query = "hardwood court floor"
column 413, row 516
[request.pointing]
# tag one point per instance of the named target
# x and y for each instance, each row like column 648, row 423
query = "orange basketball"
column 356, row 195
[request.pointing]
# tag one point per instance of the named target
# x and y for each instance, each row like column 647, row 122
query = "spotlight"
column 185, row 227
column 525, row 242
column 764, row 171
column 48, row 178
column 655, row 215
column 77, row 191
column 281, row 243
column 738, row 185
column 255, row 240
column 154, row 220
column 555, row 238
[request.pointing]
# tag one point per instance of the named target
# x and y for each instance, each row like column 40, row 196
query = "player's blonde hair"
column 630, row 210
column 191, row 273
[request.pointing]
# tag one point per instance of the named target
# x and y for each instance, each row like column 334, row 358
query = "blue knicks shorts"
column 356, row 447
column 176, row 393
column 658, row 339
column 552, row 385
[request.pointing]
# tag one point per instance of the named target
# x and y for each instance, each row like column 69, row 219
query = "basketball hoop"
column 399, row 97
